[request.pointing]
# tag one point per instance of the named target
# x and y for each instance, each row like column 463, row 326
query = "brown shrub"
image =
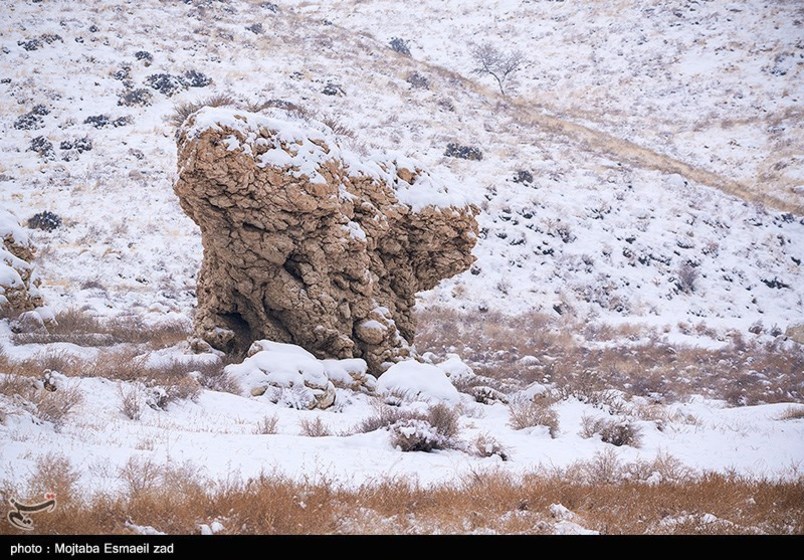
column 314, row 427
column 175, row 499
column 537, row 411
column 268, row 425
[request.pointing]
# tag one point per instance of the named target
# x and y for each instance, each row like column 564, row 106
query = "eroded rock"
column 307, row 243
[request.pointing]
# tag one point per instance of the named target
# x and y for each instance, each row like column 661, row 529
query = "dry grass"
column 616, row 431
column 314, row 427
column 130, row 402
column 176, row 499
column 184, row 110
column 793, row 413
column 268, row 425
column 78, row 327
column 495, row 346
column 486, row 445
column 526, row 413
column 54, row 406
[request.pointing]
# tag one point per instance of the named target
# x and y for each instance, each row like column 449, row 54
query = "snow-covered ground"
column 569, row 224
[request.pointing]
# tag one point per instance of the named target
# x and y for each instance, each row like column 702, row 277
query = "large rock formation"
column 19, row 284
column 306, row 243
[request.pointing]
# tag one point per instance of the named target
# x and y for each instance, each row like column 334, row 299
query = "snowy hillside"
column 642, row 178
column 588, row 233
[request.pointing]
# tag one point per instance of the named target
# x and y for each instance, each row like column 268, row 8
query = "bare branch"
column 496, row 63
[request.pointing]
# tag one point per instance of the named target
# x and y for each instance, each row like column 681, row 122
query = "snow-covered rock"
column 19, row 283
column 418, row 381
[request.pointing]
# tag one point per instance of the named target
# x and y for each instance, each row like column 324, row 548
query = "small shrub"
column 54, row 473
column 197, row 79
column 267, row 425
column 686, row 277
column 136, row 98
column 793, row 413
column 256, row 28
column 54, row 406
column 604, row 468
column 123, row 74
column 80, row 145
column 333, row 89
column 98, row 121
column 525, row 413
column 29, row 121
column 46, row 221
column 166, row 84
column 446, row 105
column 617, row 432
column 416, row 434
column 400, row 46
column 145, row 57
column 51, row 38
column 184, row 110
column 523, row 176
column 131, row 402
column 314, row 427
column 30, row 44
column 43, row 147
column 384, row 418
column 621, row 433
column 215, row 378
column 183, row 388
column 463, row 152
column 487, row 446
column 437, row 429
column 444, row 419
column 418, row 81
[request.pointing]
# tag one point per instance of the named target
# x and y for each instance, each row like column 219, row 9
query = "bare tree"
column 498, row 64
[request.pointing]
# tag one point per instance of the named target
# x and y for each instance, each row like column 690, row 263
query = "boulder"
column 307, row 243
column 19, row 283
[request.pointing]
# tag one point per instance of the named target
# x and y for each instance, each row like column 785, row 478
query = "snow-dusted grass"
column 601, row 495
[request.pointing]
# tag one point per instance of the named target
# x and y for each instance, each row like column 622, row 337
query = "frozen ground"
column 591, row 234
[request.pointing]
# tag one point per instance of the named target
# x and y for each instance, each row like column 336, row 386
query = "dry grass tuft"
column 486, row 445
column 268, row 425
column 615, row 431
column 314, row 427
column 793, row 413
column 54, row 406
column 130, row 402
column 78, row 327
column 532, row 347
column 526, row 413
column 184, row 110
column 603, row 495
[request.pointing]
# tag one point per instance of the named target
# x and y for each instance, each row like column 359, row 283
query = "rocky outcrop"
column 307, row 243
column 19, row 284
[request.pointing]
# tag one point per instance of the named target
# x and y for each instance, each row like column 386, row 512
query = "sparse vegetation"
column 400, row 46
column 130, row 402
column 486, row 445
column 46, row 221
column 463, row 152
column 604, row 494
column 267, row 426
column 536, row 411
column 314, row 427
column 496, row 345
